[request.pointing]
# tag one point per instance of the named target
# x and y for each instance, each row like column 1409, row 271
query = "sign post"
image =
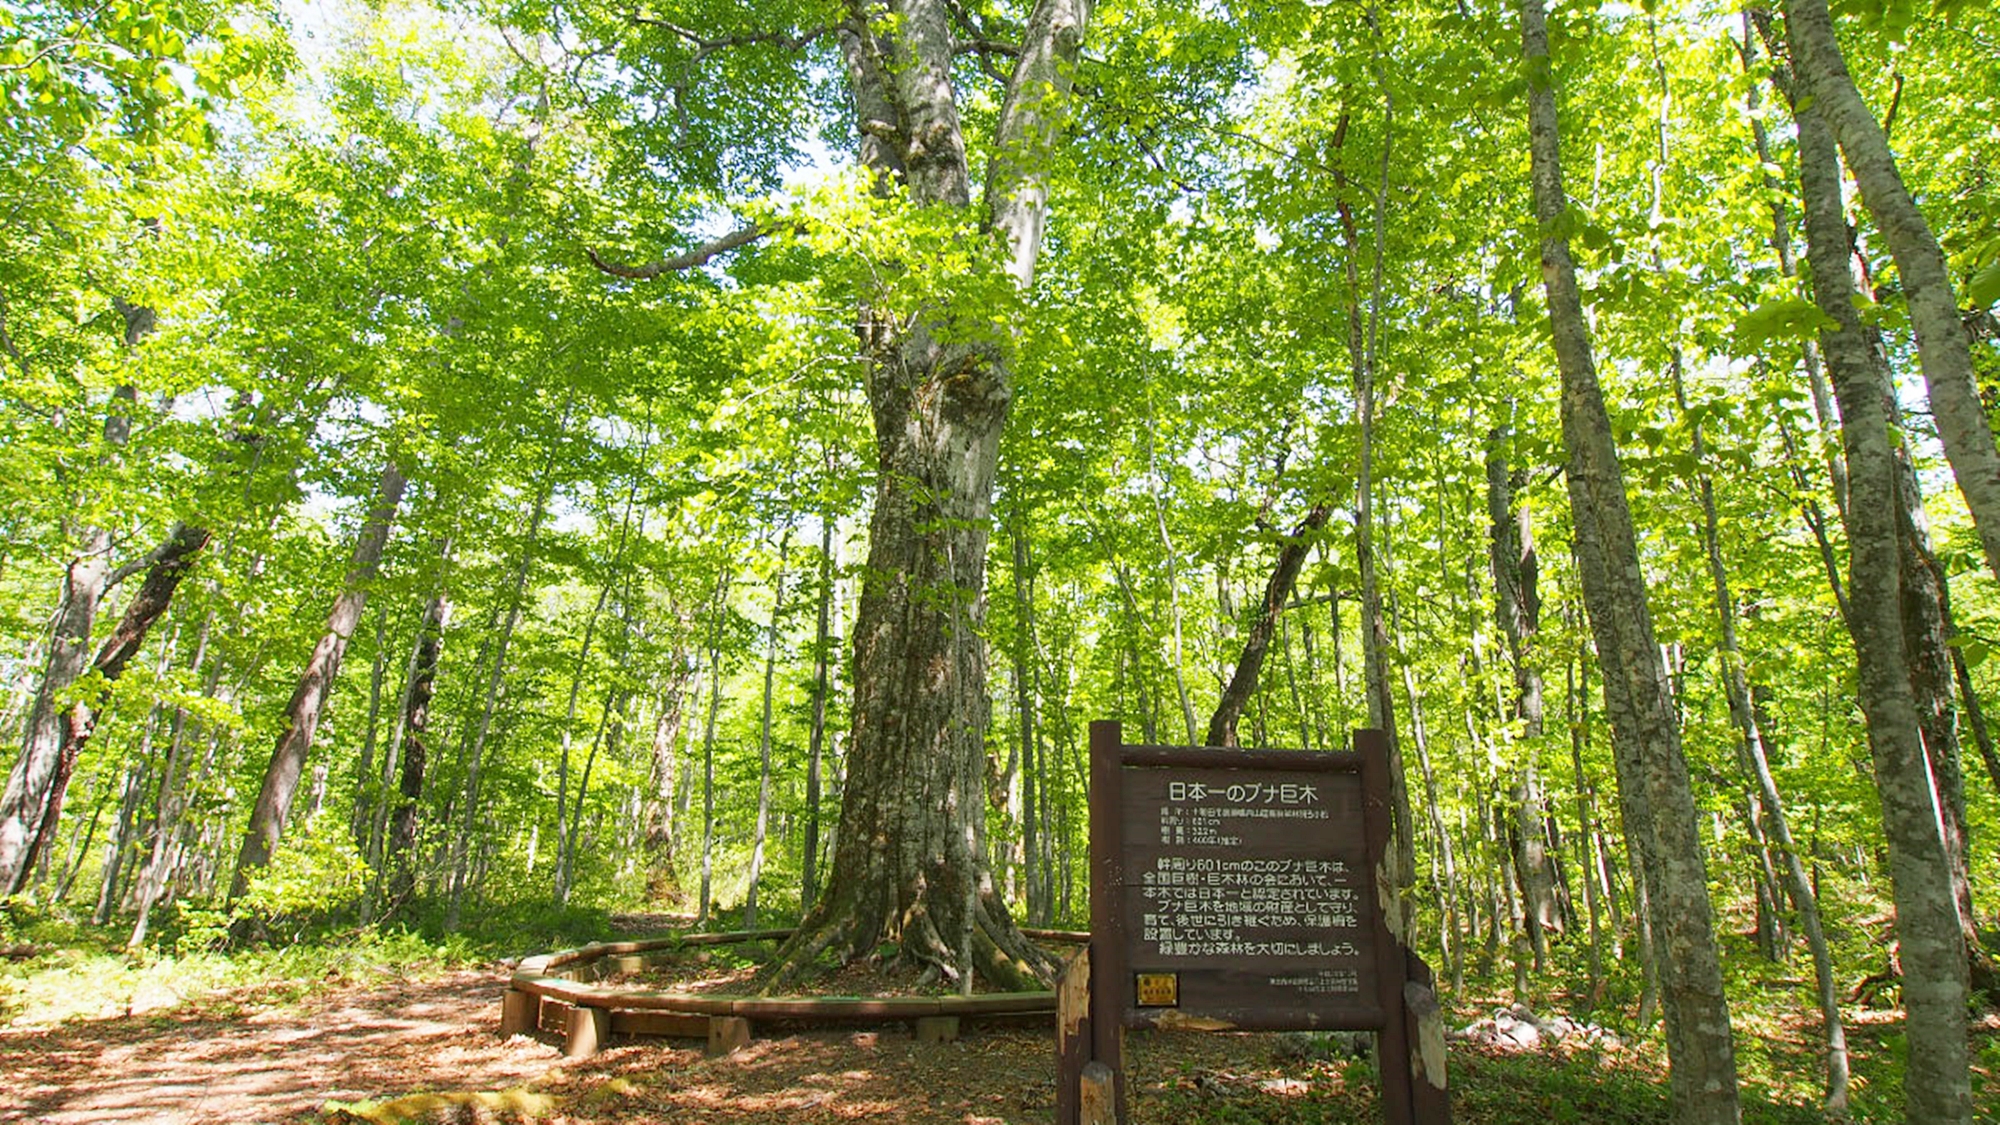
column 1244, row 890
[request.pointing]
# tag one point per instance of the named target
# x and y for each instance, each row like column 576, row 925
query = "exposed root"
column 799, row 957
column 1001, row 957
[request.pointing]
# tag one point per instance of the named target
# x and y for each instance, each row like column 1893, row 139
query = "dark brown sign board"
column 1236, row 889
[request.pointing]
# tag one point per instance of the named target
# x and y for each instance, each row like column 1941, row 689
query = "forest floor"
column 426, row 1050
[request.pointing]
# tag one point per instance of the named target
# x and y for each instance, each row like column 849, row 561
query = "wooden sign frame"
column 1204, row 985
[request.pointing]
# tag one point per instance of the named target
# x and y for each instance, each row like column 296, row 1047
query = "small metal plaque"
column 1159, row 990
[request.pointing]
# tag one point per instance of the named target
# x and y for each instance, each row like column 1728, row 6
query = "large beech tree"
column 907, row 863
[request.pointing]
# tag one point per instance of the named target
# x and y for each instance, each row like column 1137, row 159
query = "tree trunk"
column 1703, row 1060
column 167, row 565
column 1577, row 701
column 1937, row 1086
column 24, row 804
column 1517, row 606
column 717, row 611
column 474, row 750
column 1374, row 628
column 907, row 866
column 288, row 758
column 764, row 737
column 1944, row 353
column 1024, row 701
column 1292, row 553
column 365, row 792
column 399, row 850
column 658, row 837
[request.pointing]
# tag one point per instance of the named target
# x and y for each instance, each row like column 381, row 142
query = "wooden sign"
column 1238, row 890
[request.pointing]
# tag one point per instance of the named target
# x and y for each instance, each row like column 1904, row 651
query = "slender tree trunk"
column 288, row 758
column 366, row 794
column 118, row 854
column 718, row 610
column 1702, row 1056
column 564, row 860
column 1024, row 699
column 1578, row 701
column 1292, row 553
column 1517, row 606
column 496, row 678
column 764, row 737
column 1937, row 1086
column 167, row 565
column 1374, row 627
column 399, row 849
column 1944, row 352
column 1443, row 854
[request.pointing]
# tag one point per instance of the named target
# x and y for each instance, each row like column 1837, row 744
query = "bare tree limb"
column 686, row 260
column 705, row 45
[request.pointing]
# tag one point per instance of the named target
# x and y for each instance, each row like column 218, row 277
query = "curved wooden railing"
column 552, row 987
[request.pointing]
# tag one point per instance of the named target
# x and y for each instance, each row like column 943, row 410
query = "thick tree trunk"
column 1257, row 640
column 1944, row 352
column 1699, row 1046
column 907, row 865
column 1937, row 1086
column 288, row 758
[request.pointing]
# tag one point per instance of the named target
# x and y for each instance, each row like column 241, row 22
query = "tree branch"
column 686, row 260
column 705, row 46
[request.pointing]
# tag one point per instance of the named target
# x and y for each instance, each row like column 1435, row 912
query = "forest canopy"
column 719, row 455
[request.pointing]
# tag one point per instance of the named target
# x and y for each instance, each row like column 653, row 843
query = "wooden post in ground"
column 1109, row 983
column 589, row 1031
column 936, row 1029
column 727, row 1034
column 1098, row 1095
column 1072, row 1036
column 520, row 1012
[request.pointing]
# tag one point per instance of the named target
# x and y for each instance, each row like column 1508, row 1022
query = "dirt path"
column 285, row 1065
column 280, row 1065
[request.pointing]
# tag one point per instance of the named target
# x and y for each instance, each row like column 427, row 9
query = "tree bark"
column 1937, row 1086
column 1517, row 606
column 907, row 864
column 1024, row 702
column 717, row 611
column 1944, row 352
column 24, row 804
column 168, row 564
column 764, row 737
column 413, row 756
column 288, row 758
column 1702, row 1056
column 1292, row 553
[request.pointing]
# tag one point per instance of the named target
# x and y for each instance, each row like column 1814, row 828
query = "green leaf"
column 1787, row 318
column 1984, row 288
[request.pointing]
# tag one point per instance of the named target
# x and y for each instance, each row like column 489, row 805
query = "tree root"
column 1001, row 956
